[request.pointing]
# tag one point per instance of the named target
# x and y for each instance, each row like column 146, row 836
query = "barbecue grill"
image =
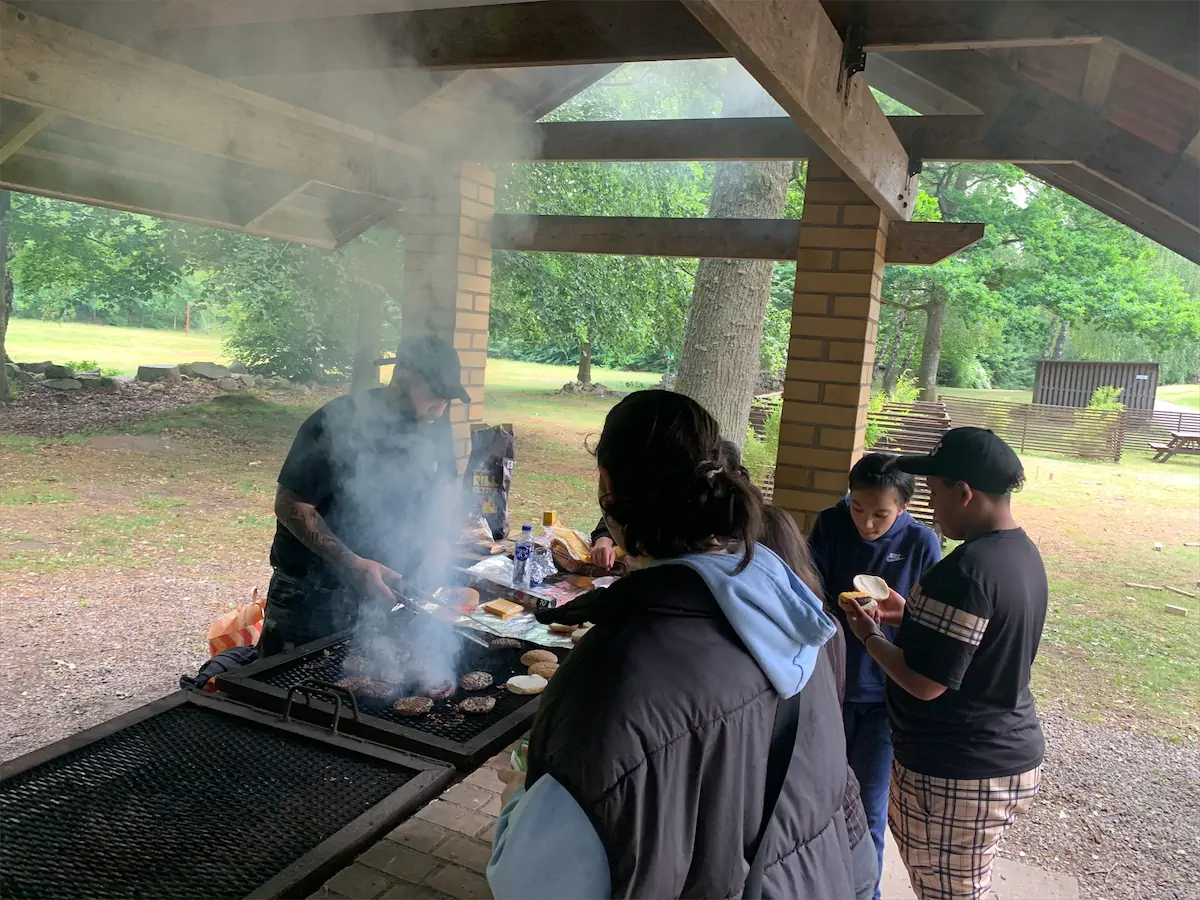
column 195, row 796
column 445, row 734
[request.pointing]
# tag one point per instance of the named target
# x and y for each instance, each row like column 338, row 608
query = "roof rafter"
column 794, row 52
column 46, row 64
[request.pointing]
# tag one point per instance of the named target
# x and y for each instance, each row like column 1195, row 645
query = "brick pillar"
column 448, row 275
column 835, row 317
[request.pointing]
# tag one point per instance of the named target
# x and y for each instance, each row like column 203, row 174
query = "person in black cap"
column 968, row 744
column 365, row 498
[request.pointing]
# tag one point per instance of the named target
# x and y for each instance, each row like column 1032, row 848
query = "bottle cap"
column 527, row 528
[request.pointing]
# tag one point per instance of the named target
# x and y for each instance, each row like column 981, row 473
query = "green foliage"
column 290, row 309
column 1108, row 397
column 90, row 365
column 905, row 391
column 85, row 263
column 759, row 454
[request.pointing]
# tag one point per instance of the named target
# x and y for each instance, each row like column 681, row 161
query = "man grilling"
column 365, row 499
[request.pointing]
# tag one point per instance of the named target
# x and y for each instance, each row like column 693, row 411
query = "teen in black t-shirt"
column 364, row 497
column 968, row 745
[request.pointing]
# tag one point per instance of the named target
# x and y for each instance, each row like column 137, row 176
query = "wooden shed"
column 1063, row 383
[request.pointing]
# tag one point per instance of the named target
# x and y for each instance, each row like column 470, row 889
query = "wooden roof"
column 312, row 119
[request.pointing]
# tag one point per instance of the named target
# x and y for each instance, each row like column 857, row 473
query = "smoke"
column 397, row 504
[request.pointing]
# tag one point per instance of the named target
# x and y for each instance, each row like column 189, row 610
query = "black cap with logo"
column 977, row 456
column 436, row 362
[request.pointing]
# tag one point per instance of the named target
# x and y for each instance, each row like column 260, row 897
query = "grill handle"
column 335, row 689
column 309, row 690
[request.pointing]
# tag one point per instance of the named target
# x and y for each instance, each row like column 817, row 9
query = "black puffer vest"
column 659, row 725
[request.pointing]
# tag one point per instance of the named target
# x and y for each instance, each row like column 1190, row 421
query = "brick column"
column 835, row 317
column 448, row 275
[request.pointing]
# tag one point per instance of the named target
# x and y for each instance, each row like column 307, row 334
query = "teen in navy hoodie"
column 871, row 533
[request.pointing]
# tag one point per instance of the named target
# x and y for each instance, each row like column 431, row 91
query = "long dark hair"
column 782, row 535
column 675, row 489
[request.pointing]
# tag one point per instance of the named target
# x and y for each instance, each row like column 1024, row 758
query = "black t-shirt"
column 973, row 623
column 381, row 480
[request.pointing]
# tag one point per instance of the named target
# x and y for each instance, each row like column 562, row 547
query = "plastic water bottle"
column 523, row 559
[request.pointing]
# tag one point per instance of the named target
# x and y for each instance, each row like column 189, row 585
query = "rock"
column 305, row 389
column 210, row 371
column 237, row 367
column 258, row 380
column 601, row 390
column 571, row 387
column 245, row 379
column 35, row 368
column 58, row 373
column 230, row 384
column 17, row 375
column 158, row 387
column 159, row 373
column 122, row 380
column 96, row 382
column 63, row 384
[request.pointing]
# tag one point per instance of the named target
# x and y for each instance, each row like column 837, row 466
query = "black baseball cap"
column 428, row 356
column 977, row 456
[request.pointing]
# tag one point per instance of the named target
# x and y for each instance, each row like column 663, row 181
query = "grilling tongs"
column 415, row 601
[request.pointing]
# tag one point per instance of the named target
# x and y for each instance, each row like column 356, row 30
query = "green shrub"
column 1108, row 397
column 758, row 456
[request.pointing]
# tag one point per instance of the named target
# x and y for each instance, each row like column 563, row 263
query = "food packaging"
column 488, row 476
column 241, row 627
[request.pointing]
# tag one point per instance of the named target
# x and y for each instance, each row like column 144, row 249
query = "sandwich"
column 869, row 590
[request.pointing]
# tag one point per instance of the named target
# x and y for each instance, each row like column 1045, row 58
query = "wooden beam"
column 47, row 64
column 933, row 138
column 909, row 243
column 1101, row 66
column 1124, row 207
column 555, row 32
column 1033, row 114
column 16, row 134
column 923, row 25
column 792, row 49
column 99, row 185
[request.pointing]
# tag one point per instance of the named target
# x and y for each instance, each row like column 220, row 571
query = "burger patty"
column 412, row 706
column 477, row 706
column 440, row 691
column 475, row 681
column 504, row 643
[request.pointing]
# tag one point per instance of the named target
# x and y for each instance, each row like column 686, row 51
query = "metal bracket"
column 916, row 161
column 854, row 57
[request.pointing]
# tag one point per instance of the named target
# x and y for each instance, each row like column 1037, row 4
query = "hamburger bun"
column 578, row 633
column 559, row 628
column 872, row 585
column 537, row 656
column 527, row 684
column 544, row 669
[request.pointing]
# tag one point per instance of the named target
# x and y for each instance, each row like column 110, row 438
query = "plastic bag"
column 488, row 477
column 241, row 627
column 573, row 551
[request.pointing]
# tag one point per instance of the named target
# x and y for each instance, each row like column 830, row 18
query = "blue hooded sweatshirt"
column 546, row 847
column 899, row 557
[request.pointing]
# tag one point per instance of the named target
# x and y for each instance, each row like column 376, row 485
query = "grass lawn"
column 121, row 349
column 1182, row 394
column 191, row 492
column 1016, row 396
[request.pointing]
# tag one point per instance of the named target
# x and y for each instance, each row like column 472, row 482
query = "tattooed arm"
column 301, row 518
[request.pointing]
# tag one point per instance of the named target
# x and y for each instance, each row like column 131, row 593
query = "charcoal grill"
column 195, row 796
column 445, row 733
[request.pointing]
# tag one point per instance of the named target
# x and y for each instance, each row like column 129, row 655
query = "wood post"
column 831, row 356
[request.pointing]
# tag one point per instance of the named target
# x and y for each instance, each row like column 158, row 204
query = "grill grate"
column 445, row 721
column 187, row 803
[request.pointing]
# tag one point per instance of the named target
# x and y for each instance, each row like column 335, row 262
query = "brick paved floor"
column 441, row 853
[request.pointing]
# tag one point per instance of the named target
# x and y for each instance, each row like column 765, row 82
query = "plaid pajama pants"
column 948, row 829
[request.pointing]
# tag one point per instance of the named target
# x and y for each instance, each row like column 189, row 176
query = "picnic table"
column 1183, row 442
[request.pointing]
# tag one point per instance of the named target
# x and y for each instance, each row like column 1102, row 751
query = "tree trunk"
column 584, row 375
column 931, row 347
column 891, row 371
column 1060, row 345
column 6, row 292
column 719, row 362
column 365, row 374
